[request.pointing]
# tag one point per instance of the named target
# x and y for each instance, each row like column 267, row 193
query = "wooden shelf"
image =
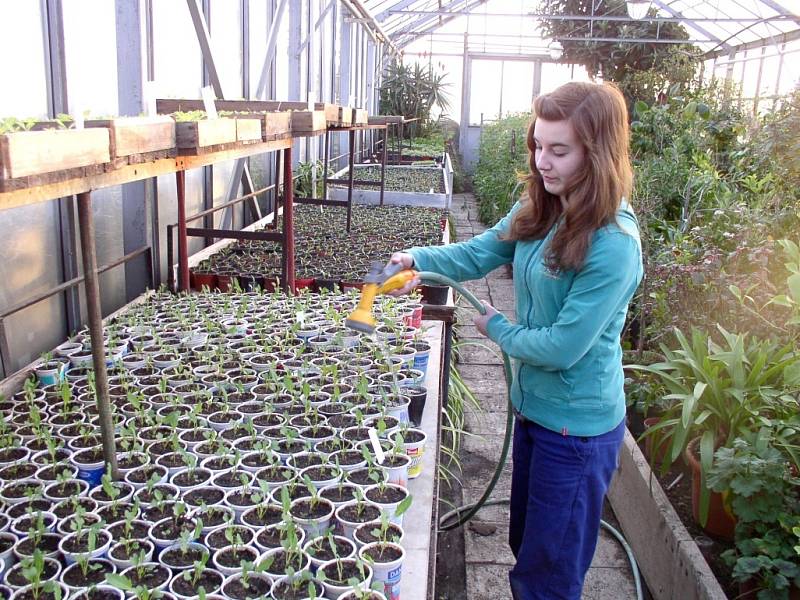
column 129, row 173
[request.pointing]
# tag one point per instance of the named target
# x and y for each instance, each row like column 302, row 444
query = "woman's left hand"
column 482, row 320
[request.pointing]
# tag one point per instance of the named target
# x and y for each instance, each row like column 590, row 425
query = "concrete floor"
column 487, row 557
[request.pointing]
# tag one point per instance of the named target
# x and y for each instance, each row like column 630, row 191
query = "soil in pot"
column 322, row 551
column 48, row 544
column 359, row 513
column 151, row 576
column 95, row 574
column 340, row 577
column 234, row 557
column 209, row 580
column 285, row 591
column 29, row 595
column 258, row 587
column 306, row 509
column 296, row 560
column 207, row 496
column 387, row 495
column 383, row 553
column 365, row 535
column 263, row 516
column 181, row 558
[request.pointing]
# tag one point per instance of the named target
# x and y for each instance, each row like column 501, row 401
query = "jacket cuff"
column 495, row 327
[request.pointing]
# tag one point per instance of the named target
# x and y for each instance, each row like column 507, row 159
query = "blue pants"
column 557, row 489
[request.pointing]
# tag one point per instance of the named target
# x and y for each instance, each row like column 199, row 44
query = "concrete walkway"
column 487, row 556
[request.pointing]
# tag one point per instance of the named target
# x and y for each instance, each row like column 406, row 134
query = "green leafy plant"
column 721, row 391
column 765, row 499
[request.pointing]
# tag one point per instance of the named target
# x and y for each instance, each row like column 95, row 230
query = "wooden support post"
column 288, row 221
column 183, row 244
column 350, row 174
column 383, row 161
column 92, row 289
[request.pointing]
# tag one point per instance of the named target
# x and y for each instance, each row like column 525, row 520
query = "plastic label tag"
column 376, row 445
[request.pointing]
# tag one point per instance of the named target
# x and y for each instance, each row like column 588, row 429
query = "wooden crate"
column 131, row 136
column 308, row 121
column 248, row 130
column 360, row 116
column 192, row 136
column 29, row 153
column 277, row 125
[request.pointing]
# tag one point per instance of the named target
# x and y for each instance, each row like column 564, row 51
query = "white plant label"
column 376, row 445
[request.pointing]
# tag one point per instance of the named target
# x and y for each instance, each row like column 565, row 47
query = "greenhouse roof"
column 716, row 26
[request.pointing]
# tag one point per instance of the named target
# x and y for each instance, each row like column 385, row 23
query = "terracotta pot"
column 304, row 283
column 224, row 282
column 720, row 523
column 198, row 280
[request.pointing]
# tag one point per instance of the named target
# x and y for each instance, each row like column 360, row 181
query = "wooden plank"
column 668, row 556
column 137, row 135
column 207, row 132
column 26, row 153
column 248, row 130
column 132, row 172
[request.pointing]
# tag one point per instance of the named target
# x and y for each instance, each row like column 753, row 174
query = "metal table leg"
column 288, row 222
column 183, row 244
column 350, row 175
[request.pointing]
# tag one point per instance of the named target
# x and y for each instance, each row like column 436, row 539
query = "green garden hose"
column 460, row 515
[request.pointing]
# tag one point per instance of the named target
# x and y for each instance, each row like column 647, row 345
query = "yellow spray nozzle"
column 361, row 318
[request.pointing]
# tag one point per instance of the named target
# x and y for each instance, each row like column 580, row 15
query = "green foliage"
column 721, row 391
column 413, row 91
column 304, row 179
column 503, row 156
column 644, row 71
column 765, row 500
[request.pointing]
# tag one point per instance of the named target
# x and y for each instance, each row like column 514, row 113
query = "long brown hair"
column 600, row 120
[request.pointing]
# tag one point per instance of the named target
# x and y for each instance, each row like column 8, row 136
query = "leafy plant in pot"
column 313, row 512
column 198, row 580
column 719, row 392
column 39, row 588
column 765, row 496
column 251, row 582
column 341, row 575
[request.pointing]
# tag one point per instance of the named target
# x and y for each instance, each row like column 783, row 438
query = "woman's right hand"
column 407, row 261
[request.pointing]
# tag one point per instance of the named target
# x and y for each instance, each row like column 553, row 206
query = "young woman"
column 574, row 244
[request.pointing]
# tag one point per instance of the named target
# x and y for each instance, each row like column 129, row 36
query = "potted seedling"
column 251, row 582
column 341, row 575
column 229, row 559
column 199, row 579
column 39, row 587
column 296, row 586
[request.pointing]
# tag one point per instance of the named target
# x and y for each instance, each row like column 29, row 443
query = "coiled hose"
column 460, row 515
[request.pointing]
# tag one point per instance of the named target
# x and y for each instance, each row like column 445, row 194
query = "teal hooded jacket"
column 565, row 344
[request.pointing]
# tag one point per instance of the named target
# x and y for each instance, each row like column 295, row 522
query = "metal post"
column 170, row 254
column 327, row 153
column 183, row 245
column 288, row 222
column 277, row 195
column 350, row 179
column 383, row 160
column 92, row 288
